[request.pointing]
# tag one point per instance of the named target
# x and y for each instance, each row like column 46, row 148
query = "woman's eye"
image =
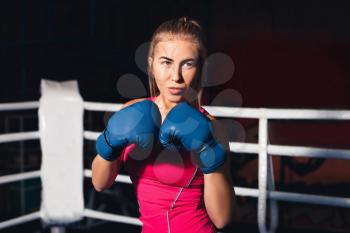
column 189, row 64
column 166, row 63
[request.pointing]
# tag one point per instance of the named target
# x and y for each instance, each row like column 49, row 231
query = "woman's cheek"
column 160, row 83
column 164, row 72
column 190, row 77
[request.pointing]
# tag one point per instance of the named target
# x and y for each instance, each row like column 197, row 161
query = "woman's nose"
column 176, row 74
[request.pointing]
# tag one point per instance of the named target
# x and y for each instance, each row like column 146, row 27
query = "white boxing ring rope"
column 19, row 106
column 263, row 149
column 11, row 137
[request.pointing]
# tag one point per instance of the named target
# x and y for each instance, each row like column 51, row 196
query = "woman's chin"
column 176, row 99
column 179, row 98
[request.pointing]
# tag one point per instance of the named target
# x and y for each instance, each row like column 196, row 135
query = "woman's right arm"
column 104, row 172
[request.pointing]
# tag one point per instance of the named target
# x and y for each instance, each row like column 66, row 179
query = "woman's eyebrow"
column 166, row 58
column 190, row 59
column 184, row 60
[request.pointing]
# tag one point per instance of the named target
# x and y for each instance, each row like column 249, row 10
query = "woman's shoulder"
column 210, row 117
column 207, row 114
column 130, row 102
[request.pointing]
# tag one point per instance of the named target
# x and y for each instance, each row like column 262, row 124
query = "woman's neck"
column 165, row 106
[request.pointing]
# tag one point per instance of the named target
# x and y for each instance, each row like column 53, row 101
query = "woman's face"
column 175, row 68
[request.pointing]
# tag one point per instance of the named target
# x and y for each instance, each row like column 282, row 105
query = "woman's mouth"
column 176, row 91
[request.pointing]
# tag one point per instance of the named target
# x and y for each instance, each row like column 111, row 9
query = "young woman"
column 173, row 150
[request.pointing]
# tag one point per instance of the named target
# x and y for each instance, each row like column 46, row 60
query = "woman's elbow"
column 97, row 187
column 100, row 186
column 223, row 218
column 103, row 173
column 222, row 222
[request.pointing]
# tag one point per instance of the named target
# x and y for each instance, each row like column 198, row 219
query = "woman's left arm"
column 219, row 195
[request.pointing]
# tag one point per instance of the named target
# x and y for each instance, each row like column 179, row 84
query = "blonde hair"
column 183, row 28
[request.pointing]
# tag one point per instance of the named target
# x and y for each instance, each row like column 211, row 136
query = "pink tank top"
column 169, row 189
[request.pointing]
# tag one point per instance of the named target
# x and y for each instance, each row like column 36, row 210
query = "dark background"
column 287, row 54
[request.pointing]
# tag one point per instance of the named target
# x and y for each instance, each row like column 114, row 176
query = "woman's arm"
column 104, row 172
column 219, row 196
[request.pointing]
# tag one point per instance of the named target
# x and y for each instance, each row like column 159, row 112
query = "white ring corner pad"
column 61, row 137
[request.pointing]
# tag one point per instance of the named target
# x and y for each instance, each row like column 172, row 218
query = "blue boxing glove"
column 186, row 128
column 135, row 124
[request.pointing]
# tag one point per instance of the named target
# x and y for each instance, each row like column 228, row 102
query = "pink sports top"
column 169, row 189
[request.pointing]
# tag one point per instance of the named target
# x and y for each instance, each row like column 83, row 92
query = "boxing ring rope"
column 12, row 137
column 19, row 177
column 19, row 106
column 263, row 149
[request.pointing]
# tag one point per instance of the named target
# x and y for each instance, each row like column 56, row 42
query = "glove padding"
column 135, row 124
column 186, row 128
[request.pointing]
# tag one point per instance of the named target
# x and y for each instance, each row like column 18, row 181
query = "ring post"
column 61, row 138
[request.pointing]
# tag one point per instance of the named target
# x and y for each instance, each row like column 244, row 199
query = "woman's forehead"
column 176, row 49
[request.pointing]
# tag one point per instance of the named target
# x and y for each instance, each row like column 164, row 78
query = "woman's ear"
column 150, row 60
column 149, row 67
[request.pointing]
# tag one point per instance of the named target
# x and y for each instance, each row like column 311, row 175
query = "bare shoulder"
column 130, row 102
column 210, row 117
column 207, row 114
